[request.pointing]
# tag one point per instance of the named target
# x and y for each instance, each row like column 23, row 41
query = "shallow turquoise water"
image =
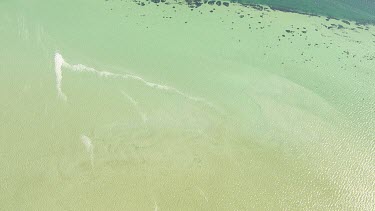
column 111, row 105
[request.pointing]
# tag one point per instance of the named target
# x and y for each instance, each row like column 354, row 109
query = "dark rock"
column 257, row 7
column 194, row 3
column 198, row 4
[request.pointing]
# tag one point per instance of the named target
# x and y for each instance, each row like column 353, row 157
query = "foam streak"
column 61, row 63
column 86, row 141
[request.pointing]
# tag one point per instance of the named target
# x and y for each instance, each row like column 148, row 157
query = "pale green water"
column 247, row 122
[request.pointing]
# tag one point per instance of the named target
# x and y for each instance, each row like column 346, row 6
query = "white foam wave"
column 86, row 141
column 60, row 63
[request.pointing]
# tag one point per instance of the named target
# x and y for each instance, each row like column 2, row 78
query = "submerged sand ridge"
column 296, row 94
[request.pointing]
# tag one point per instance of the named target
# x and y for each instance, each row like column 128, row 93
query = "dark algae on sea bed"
column 362, row 11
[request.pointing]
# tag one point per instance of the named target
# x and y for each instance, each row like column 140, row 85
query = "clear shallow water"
column 222, row 112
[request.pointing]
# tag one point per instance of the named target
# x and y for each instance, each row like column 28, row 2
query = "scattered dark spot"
column 257, row 7
column 198, row 4
column 218, row 3
column 226, row 4
column 211, row 2
column 194, row 3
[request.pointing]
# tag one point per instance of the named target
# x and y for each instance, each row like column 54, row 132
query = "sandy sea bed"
column 259, row 109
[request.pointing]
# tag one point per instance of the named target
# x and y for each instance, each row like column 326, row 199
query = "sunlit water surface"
column 122, row 105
